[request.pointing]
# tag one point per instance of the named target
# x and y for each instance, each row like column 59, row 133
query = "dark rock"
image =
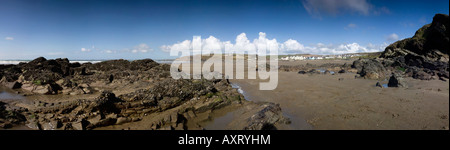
column 426, row 52
column 342, row 71
column 422, row 56
column 428, row 40
column 422, row 75
column 10, row 116
column 266, row 118
column 14, row 85
column 5, row 125
column 38, row 61
column 302, row 72
column 111, row 78
column 79, row 71
column 104, row 103
column 369, row 68
column 313, row 71
column 397, row 81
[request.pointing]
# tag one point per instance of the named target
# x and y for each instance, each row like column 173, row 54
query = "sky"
column 137, row 29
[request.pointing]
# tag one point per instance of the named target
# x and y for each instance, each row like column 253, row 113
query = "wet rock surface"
column 145, row 89
column 266, row 118
column 10, row 115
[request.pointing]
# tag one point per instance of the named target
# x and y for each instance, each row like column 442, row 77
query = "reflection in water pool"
column 324, row 70
column 8, row 94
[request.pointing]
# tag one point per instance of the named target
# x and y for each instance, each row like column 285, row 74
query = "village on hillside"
column 319, row 57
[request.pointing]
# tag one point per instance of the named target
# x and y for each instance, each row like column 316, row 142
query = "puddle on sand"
column 5, row 94
column 297, row 123
column 220, row 122
column 8, row 95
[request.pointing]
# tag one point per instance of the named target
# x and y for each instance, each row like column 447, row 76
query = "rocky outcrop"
column 431, row 41
column 145, row 86
column 370, row 68
column 76, row 115
column 265, row 119
column 423, row 56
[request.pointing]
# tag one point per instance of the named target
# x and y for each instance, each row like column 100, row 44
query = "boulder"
column 397, row 81
column 266, row 118
column 80, row 125
column 33, row 125
column 369, row 68
column 42, row 89
column 302, row 72
column 122, row 120
column 95, row 120
column 52, row 125
column 422, row 75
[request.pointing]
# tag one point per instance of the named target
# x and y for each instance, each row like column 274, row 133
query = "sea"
column 15, row 62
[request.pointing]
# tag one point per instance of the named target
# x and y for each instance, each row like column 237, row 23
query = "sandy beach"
column 342, row 102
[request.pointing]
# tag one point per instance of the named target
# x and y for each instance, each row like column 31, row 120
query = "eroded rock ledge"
column 124, row 92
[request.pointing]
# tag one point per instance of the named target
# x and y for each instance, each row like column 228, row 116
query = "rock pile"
column 424, row 56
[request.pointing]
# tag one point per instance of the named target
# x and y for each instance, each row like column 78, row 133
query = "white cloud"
column 243, row 45
column 85, row 50
column 141, row 48
column 9, row 38
column 108, row 51
column 180, row 46
column 212, row 44
column 392, row 37
column 323, row 49
column 292, row 45
column 165, row 48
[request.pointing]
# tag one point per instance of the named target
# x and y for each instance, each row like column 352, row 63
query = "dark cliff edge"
column 423, row 56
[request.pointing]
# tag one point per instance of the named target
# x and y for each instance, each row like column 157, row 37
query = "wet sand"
column 328, row 103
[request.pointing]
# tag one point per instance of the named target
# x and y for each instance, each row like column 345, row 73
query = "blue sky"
column 112, row 29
